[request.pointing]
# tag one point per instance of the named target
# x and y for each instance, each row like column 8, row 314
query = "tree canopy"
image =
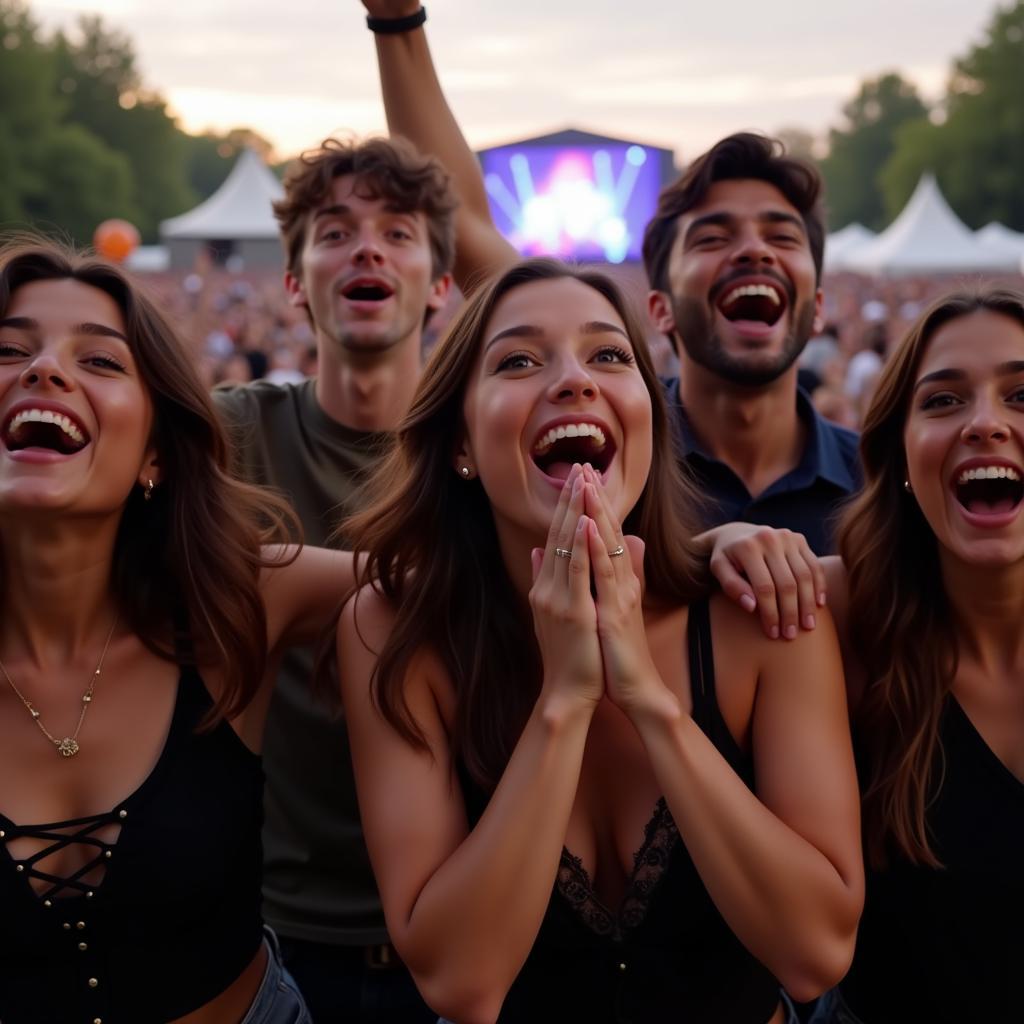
column 973, row 140
column 82, row 139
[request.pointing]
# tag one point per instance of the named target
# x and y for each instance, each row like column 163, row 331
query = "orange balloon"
column 115, row 239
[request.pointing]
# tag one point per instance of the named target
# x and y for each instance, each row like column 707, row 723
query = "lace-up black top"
column 176, row 916
column 665, row 953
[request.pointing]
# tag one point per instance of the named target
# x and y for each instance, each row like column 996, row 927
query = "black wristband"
column 392, row 26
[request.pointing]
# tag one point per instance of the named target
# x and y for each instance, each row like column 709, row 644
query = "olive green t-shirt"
column 317, row 881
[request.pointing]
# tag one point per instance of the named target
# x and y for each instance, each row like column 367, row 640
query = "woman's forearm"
column 474, row 922
column 783, row 898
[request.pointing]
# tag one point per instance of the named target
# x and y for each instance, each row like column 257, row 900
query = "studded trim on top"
column 79, row 831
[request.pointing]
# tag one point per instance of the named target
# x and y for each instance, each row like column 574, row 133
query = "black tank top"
column 176, row 917
column 947, row 944
column 665, row 954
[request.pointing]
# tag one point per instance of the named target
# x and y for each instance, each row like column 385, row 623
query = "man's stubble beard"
column 702, row 344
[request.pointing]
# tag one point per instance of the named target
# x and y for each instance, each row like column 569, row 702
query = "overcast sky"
column 669, row 72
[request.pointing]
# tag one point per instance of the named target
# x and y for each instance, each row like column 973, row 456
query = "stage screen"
column 580, row 202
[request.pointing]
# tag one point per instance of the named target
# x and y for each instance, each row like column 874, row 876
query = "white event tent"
column 1000, row 238
column 840, row 244
column 927, row 238
column 236, row 222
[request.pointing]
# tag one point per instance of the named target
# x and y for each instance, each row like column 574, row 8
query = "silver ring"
column 620, row 550
column 563, row 552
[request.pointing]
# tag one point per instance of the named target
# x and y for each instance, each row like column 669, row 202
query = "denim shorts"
column 832, row 1009
column 278, row 999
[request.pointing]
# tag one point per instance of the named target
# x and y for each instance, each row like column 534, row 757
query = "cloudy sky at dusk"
column 669, row 72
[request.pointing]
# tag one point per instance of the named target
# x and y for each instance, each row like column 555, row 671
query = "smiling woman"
column 934, row 549
column 588, row 792
column 130, row 562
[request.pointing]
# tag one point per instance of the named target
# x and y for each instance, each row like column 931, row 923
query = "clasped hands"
column 587, row 601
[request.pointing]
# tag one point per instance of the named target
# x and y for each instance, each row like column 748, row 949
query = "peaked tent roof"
column 1000, row 238
column 841, row 243
column 927, row 238
column 240, row 208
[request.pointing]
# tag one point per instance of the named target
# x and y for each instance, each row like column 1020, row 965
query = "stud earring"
column 147, row 493
column 465, row 471
column 907, row 487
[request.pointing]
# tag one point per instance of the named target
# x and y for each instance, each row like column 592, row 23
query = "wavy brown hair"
column 189, row 559
column 433, row 550
column 385, row 168
column 900, row 619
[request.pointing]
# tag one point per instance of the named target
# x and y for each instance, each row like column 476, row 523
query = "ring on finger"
column 563, row 552
column 620, row 550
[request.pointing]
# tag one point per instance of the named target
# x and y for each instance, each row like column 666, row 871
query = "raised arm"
column 782, row 863
column 464, row 901
column 417, row 109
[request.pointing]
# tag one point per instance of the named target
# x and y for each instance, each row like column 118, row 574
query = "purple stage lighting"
column 580, row 202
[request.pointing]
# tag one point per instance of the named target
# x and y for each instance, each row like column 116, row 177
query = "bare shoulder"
column 367, row 619
column 837, row 587
column 364, row 627
column 739, row 638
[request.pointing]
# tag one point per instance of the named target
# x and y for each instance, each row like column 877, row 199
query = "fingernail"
column 582, row 524
column 747, row 603
column 790, row 632
column 774, row 632
column 821, row 599
column 810, row 622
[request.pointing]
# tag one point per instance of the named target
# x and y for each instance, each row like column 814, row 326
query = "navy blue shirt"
column 807, row 499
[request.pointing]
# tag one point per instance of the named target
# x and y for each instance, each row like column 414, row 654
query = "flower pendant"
column 67, row 747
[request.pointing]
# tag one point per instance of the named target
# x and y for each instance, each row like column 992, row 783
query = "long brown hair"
column 433, row 550
column 900, row 619
column 194, row 549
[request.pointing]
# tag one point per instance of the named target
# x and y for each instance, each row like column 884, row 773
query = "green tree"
column 977, row 151
column 861, row 147
column 30, row 107
column 86, row 182
column 96, row 71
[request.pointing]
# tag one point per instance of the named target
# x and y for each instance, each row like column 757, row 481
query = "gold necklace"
column 68, row 746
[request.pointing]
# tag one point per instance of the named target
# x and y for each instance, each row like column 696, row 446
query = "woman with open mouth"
column 589, row 792
column 139, row 615
column 929, row 608
column 934, row 550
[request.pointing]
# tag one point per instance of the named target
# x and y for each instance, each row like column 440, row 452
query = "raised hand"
column 564, row 614
column 630, row 677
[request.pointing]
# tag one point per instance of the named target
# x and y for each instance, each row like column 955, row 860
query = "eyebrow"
column 343, row 210
column 1002, row 370
column 25, row 323
column 531, row 331
column 724, row 219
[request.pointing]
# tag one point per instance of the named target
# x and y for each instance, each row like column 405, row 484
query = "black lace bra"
column 665, row 954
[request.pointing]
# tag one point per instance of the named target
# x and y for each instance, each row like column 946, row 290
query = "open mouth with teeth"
column 558, row 448
column 367, row 291
column 989, row 490
column 42, row 428
column 753, row 303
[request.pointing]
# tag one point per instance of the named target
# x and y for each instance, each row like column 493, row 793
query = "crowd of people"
column 557, row 674
column 242, row 329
